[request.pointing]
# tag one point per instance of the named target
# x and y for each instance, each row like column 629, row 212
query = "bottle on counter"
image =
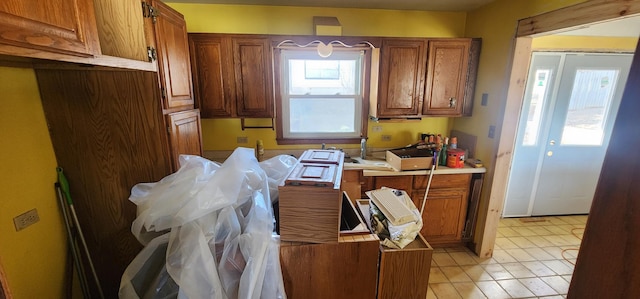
column 442, row 158
column 454, row 143
column 259, row 150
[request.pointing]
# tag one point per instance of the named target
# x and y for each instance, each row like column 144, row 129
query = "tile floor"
column 533, row 258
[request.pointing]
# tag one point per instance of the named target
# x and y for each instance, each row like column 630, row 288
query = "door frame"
column 589, row 12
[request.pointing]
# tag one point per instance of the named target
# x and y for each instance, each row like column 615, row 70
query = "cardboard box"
column 410, row 159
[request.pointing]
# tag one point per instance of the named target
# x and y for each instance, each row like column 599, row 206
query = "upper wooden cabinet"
column 173, row 57
column 59, row 26
column 448, row 77
column 95, row 32
column 448, row 65
column 233, row 75
column 401, row 84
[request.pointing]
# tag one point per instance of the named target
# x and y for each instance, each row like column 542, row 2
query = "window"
column 321, row 99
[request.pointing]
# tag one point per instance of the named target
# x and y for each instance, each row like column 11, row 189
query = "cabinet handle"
column 452, row 102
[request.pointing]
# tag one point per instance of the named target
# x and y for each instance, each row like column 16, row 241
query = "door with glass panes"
column 570, row 105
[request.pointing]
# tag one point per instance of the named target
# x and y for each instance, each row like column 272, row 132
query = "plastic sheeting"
column 214, row 224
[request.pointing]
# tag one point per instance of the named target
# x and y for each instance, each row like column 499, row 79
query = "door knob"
column 550, row 153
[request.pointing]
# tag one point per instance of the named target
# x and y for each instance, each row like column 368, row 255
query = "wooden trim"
column 583, row 13
column 502, row 165
column 5, row 293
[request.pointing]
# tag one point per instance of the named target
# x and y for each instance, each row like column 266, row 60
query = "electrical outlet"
column 25, row 219
column 386, row 137
column 242, row 140
column 492, row 131
column 377, row 128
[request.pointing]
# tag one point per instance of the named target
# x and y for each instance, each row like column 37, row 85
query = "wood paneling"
column 106, row 140
column 173, row 57
column 608, row 264
column 67, row 27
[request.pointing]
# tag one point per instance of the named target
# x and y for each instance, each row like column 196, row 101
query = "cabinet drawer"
column 442, row 181
column 402, row 182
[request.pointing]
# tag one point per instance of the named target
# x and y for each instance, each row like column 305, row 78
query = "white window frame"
column 285, row 136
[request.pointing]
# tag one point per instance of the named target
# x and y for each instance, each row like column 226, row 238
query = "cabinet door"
column 173, row 57
column 402, row 75
column 444, row 214
column 446, row 77
column 185, row 136
column 59, row 26
column 214, row 84
column 254, row 76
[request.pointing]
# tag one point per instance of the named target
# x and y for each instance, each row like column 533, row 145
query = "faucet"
column 363, row 148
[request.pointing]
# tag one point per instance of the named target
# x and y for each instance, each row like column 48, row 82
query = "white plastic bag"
column 220, row 243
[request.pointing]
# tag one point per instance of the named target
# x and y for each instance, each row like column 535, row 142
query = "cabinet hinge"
column 149, row 11
column 152, row 54
column 164, row 92
column 169, row 130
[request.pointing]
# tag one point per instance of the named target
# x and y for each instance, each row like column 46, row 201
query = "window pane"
column 589, row 106
column 538, row 97
column 317, row 115
column 323, row 77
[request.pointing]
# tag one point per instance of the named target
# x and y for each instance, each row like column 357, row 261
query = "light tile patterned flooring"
column 527, row 262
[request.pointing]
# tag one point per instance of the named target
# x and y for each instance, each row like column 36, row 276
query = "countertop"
column 379, row 167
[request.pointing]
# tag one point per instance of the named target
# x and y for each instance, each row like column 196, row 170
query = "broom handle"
column 64, row 184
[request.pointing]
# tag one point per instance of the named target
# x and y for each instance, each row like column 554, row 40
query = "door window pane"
column 538, row 96
column 589, row 105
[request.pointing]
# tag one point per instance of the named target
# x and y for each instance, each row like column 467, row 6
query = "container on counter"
column 455, row 158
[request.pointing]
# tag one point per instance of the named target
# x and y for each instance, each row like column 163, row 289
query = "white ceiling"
column 439, row 5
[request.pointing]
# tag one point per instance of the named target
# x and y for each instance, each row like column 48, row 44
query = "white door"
column 570, row 105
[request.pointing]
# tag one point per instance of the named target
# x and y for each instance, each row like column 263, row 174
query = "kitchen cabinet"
column 174, row 67
column 94, row 32
column 445, row 211
column 112, row 129
column 401, row 78
column 426, row 77
column 233, row 75
column 185, row 136
column 450, row 77
column 65, row 27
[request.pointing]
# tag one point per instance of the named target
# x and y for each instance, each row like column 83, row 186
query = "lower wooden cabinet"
column 185, row 136
column 445, row 211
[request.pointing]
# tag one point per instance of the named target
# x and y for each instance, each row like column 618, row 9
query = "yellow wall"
column 584, row 43
column 220, row 134
column 496, row 23
column 33, row 258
